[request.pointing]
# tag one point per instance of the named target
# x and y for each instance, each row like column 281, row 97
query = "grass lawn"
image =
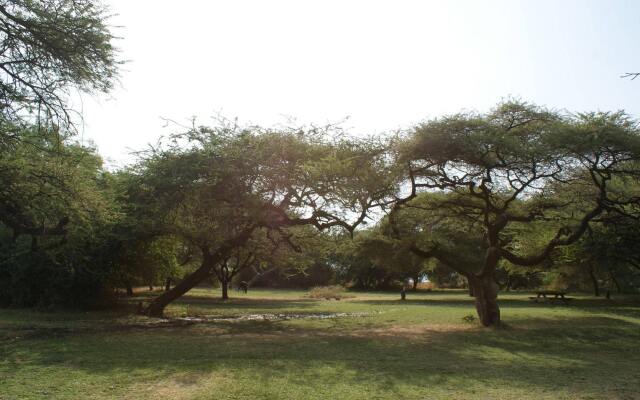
column 378, row 348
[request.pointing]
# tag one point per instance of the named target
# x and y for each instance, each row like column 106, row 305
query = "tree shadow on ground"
column 627, row 306
column 245, row 302
column 536, row 353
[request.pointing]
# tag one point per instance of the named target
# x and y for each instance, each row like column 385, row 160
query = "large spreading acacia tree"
column 488, row 179
column 216, row 188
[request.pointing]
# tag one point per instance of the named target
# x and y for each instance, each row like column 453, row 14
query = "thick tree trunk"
column 156, row 308
column 209, row 260
column 485, row 291
column 225, row 289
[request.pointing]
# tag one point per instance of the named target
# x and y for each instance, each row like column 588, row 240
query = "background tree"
column 373, row 261
column 56, row 204
column 265, row 251
column 56, row 217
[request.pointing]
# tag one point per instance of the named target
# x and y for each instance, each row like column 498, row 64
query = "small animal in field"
column 243, row 286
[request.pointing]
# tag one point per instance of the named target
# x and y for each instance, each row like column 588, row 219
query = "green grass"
column 417, row 349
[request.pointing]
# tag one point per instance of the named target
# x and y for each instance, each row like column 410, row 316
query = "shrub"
column 469, row 318
column 329, row 292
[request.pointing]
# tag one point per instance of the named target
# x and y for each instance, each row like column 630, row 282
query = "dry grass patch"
column 413, row 332
column 329, row 292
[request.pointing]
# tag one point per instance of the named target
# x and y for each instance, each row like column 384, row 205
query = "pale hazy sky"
column 383, row 64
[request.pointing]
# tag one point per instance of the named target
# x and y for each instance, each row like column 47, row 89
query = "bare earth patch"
column 413, row 332
column 178, row 387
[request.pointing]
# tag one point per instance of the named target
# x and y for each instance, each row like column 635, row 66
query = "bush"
column 329, row 292
column 428, row 286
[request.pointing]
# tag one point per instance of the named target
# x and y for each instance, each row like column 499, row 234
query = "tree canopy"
column 48, row 48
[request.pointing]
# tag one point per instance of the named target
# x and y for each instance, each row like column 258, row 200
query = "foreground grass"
column 382, row 349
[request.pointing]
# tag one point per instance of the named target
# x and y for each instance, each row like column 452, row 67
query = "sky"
column 376, row 65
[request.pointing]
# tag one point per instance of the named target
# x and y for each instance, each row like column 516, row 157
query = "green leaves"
column 50, row 47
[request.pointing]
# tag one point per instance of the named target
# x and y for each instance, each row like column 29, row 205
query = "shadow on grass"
column 629, row 306
column 544, row 354
column 245, row 302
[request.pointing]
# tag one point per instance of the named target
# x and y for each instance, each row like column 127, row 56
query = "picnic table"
column 551, row 296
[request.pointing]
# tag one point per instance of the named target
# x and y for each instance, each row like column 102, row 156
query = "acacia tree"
column 50, row 188
column 217, row 187
column 47, row 48
column 265, row 248
column 489, row 178
column 375, row 261
column 56, row 214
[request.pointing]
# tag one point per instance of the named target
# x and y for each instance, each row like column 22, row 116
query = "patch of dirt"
column 183, row 386
column 419, row 331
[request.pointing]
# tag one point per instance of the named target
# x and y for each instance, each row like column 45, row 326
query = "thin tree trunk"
column 614, row 280
column 594, row 280
column 129, row 290
column 485, row 291
column 167, row 285
column 415, row 284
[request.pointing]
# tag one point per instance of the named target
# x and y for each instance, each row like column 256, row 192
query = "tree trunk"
column 614, row 280
column 167, row 285
column 225, row 289
column 485, row 291
column 156, row 308
column 129, row 290
column 415, row 284
column 209, row 260
column 594, row 280
column 150, row 288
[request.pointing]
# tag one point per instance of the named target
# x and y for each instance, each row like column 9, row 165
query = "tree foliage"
column 48, row 48
column 57, row 209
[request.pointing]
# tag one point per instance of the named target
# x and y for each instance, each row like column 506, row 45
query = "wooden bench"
column 551, row 296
